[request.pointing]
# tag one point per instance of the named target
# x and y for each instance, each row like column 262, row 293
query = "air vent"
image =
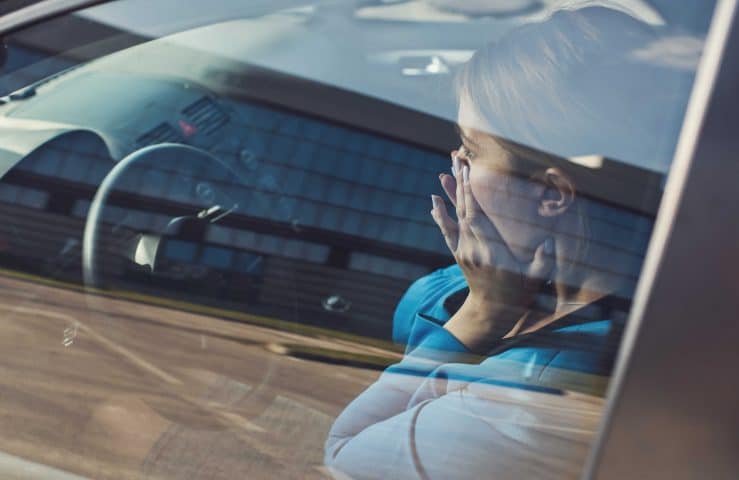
column 206, row 115
column 162, row 133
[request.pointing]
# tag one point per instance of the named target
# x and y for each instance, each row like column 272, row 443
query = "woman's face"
column 509, row 200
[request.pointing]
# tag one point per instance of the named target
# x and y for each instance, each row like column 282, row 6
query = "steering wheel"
column 171, row 174
column 176, row 176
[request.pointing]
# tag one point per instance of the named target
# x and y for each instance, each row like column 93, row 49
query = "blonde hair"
column 547, row 87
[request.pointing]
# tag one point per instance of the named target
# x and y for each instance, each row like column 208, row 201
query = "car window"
column 309, row 239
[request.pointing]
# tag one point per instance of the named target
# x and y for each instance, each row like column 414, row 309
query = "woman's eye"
column 467, row 153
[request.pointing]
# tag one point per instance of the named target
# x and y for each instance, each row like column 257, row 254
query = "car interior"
column 168, row 178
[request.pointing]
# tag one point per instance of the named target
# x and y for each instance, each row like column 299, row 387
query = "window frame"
column 665, row 417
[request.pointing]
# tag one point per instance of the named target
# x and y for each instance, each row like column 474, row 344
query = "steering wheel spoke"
column 149, row 201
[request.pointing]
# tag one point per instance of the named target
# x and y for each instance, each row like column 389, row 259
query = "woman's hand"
column 501, row 287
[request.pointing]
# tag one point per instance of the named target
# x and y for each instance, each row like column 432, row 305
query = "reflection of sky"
column 156, row 18
column 526, row 10
column 376, row 51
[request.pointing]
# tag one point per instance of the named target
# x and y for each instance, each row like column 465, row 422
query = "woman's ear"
column 558, row 193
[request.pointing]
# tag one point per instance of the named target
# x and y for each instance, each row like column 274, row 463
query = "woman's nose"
column 452, row 157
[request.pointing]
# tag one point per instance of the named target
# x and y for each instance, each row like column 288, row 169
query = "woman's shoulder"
column 426, row 296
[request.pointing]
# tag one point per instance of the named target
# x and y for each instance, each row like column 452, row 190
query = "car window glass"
column 309, row 239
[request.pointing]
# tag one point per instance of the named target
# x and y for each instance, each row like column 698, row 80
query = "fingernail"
column 437, row 202
column 548, row 246
column 455, row 165
column 454, row 171
column 466, row 174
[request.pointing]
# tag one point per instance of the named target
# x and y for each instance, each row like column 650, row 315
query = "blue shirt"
column 528, row 409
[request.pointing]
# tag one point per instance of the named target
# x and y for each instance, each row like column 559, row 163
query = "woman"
column 509, row 350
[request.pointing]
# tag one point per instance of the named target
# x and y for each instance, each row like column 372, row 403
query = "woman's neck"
column 574, row 289
column 589, row 291
column 575, row 278
column 564, row 306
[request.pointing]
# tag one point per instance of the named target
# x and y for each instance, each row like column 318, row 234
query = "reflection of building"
column 328, row 214
column 324, row 211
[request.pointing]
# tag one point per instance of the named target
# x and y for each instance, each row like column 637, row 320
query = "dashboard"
column 313, row 191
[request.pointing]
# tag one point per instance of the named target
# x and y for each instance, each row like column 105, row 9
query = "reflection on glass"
column 510, row 349
column 251, row 296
